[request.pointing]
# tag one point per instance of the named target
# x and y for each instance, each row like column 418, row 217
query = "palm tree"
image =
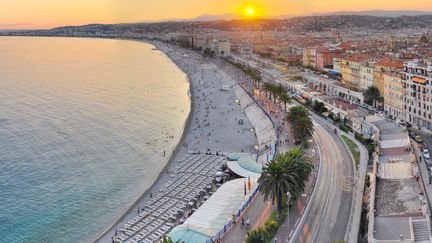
column 301, row 123
column 287, row 173
column 274, row 184
column 298, row 167
column 286, row 99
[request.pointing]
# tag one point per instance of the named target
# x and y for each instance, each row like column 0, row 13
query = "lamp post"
column 288, row 207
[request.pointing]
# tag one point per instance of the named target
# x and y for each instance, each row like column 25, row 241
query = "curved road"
column 329, row 211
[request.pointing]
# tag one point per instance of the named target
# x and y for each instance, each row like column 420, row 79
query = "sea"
column 83, row 126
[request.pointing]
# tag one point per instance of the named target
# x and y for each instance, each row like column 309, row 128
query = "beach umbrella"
column 245, row 187
column 249, row 183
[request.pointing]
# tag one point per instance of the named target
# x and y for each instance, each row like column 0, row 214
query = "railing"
column 268, row 115
column 230, row 223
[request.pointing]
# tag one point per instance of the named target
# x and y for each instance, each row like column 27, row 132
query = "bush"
column 344, row 128
column 256, row 236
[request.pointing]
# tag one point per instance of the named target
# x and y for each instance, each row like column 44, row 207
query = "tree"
column 372, row 94
column 286, row 99
column 289, row 172
column 319, row 107
column 301, row 123
column 256, row 236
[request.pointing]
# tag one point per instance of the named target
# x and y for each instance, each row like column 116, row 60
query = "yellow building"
column 383, row 66
column 393, row 95
column 350, row 67
column 367, row 75
column 309, row 56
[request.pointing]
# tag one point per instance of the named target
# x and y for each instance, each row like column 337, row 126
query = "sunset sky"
column 20, row 14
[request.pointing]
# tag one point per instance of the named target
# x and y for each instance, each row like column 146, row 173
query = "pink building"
column 324, row 57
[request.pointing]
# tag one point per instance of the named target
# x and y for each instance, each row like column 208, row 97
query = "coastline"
column 164, row 170
column 205, row 82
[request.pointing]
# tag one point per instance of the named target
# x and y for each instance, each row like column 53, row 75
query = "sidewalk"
column 258, row 212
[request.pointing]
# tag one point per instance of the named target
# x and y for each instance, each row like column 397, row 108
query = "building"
column 350, row 67
column 383, row 66
column 393, row 96
column 337, row 65
column 417, row 94
column 324, row 57
column 367, row 73
column 223, row 48
column 200, row 43
column 309, row 57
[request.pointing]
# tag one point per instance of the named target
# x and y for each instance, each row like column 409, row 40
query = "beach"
column 220, row 120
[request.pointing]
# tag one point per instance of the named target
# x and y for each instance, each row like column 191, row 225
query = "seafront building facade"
column 383, row 66
column 367, row 75
column 417, row 94
column 350, row 67
column 393, row 96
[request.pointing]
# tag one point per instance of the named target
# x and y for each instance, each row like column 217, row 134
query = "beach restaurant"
column 215, row 216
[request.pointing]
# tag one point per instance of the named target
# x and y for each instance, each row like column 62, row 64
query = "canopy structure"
column 185, row 233
column 245, row 167
column 212, row 216
column 237, row 156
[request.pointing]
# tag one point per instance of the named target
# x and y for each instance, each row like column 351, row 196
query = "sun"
column 250, row 10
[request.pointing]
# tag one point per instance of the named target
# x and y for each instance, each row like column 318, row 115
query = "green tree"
column 319, row 107
column 286, row 99
column 301, row 123
column 256, row 236
column 372, row 94
column 287, row 173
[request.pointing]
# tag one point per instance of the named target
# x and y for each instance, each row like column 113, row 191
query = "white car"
column 426, row 152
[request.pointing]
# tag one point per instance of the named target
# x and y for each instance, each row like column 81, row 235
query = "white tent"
column 211, row 217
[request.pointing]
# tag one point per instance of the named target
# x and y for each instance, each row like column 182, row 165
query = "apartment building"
column 309, row 56
column 393, row 95
column 337, row 64
column 367, row 74
column 383, row 66
column 223, row 48
column 350, row 67
column 417, row 94
column 324, row 57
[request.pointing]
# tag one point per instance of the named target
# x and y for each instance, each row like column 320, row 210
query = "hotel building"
column 417, row 94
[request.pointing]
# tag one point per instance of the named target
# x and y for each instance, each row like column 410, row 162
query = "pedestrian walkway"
column 258, row 213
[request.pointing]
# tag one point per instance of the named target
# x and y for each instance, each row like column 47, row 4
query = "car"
column 407, row 124
column 429, row 164
column 418, row 139
column 412, row 135
column 402, row 123
column 427, row 158
column 425, row 151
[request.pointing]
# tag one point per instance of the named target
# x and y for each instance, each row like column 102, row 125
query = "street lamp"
column 288, row 206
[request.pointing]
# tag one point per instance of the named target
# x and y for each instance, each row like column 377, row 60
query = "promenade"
column 260, row 211
column 217, row 123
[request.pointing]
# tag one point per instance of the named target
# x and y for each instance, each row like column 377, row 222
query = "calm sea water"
column 82, row 127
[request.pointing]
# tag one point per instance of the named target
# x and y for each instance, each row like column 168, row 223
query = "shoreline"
column 164, row 170
column 203, row 77
column 205, row 80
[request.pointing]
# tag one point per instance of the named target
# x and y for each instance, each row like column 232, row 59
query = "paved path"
column 261, row 211
column 258, row 212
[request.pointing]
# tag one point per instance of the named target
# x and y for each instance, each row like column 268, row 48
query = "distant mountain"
column 376, row 13
column 234, row 16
